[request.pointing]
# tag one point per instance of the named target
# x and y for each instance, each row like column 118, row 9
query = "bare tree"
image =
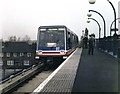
column 12, row 38
column 19, row 39
column 26, row 38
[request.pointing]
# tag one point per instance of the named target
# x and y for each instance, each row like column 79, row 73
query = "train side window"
column 68, row 37
column 68, row 34
column 69, row 40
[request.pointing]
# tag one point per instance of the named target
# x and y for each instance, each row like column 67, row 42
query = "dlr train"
column 55, row 43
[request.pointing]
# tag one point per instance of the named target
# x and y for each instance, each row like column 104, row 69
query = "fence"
column 15, row 66
column 109, row 44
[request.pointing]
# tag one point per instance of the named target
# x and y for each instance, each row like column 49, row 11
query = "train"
column 55, row 43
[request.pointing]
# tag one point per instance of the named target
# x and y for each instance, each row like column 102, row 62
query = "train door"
column 69, row 40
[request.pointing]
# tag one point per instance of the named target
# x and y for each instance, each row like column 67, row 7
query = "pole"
column 103, row 21
column 114, row 16
column 98, row 25
column 112, row 24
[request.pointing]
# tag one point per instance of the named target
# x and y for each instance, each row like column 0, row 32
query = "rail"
column 15, row 66
column 109, row 44
column 15, row 74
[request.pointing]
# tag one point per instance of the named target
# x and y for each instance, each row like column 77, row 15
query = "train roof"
column 52, row 26
column 57, row 26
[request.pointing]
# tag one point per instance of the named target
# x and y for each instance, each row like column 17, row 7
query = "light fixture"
column 88, row 21
column 92, row 1
column 89, row 14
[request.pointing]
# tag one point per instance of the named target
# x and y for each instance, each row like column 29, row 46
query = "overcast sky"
column 23, row 17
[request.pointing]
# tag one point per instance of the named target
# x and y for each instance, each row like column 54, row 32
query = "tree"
column 26, row 38
column 12, row 38
column 19, row 39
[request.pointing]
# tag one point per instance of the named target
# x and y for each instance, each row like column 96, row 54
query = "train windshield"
column 51, row 38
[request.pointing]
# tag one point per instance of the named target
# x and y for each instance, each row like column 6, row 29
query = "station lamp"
column 92, row 1
column 88, row 21
column 89, row 14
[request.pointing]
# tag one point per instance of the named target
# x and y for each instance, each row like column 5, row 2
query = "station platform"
column 81, row 72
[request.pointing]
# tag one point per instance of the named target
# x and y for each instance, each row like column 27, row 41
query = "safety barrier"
column 109, row 44
column 15, row 66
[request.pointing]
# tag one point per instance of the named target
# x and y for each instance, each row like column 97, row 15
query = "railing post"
column 4, row 63
column 119, row 54
column 22, row 62
column 14, row 65
column 118, row 45
column 118, row 68
column 115, row 45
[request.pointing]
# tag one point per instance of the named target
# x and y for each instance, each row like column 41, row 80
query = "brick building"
column 17, row 54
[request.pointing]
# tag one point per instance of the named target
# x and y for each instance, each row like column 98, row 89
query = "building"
column 17, row 54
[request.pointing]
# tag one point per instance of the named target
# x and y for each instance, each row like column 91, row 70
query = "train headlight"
column 62, row 52
column 39, row 52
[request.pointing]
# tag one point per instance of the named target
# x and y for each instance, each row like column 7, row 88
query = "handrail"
column 17, row 74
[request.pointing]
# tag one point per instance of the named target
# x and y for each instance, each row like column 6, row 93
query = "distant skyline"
column 23, row 17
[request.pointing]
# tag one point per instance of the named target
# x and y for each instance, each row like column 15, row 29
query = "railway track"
column 30, row 84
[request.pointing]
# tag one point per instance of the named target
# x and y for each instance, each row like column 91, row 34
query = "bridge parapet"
column 109, row 44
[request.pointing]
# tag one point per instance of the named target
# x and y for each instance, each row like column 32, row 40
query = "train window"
column 43, row 29
column 68, row 34
column 52, row 29
column 51, row 36
column 61, row 29
column 69, row 40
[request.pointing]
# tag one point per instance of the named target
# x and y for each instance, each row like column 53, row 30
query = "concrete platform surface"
column 62, row 79
column 96, row 73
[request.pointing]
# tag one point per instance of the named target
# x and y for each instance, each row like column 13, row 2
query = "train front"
column 51, row 42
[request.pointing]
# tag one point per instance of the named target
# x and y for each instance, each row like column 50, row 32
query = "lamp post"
column 103, row 21
column 99, row 30
column 112, row 24
column 114, row 16
column 93, row 1
column 115, row 48
column 98, row 25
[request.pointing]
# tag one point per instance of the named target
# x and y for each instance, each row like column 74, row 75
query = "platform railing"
column 109, row 44
column 19, row 66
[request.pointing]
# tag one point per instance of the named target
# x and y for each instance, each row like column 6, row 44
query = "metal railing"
column 18, row 67
column 109, row 44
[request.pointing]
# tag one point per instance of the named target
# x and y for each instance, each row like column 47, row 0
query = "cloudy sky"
column 23, row 17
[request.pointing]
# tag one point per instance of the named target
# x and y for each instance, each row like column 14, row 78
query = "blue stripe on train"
column 51, row 48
